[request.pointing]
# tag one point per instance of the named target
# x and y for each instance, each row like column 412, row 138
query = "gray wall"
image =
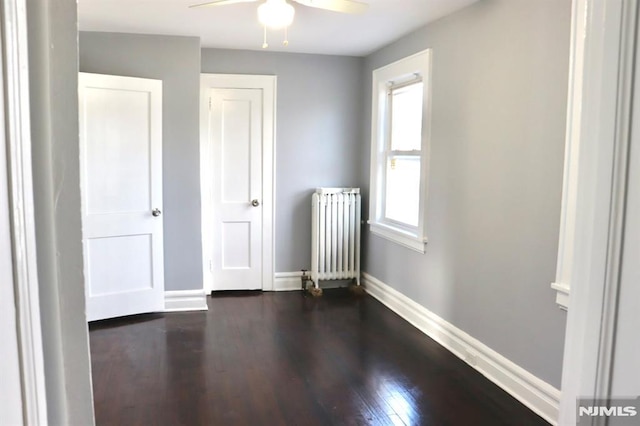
column 500, row 72
column 175, row 61
column 53, row 77
column 318, row 125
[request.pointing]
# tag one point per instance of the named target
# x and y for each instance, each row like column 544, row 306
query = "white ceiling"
column 236, row 26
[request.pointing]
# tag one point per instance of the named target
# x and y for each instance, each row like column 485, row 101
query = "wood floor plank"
column 287, row 359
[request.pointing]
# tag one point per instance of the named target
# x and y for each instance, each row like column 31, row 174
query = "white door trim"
column 232, row 81
column 568, row 213
column 18, row 138
column 603, row 45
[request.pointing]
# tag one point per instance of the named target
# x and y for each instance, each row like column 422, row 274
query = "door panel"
column 134, row 272
column 118, row 152
column 236, row 150
column 121, row 178
column 236, row 138
column 236, row 245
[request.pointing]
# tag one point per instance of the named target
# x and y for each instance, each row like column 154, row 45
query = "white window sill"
column 399, row 236
column 562, row 296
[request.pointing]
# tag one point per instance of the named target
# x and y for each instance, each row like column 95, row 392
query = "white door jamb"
column 603, row 54
column 18, row 138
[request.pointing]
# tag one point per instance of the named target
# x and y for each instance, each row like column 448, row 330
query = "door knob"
column 156, row 212
column 255, row 203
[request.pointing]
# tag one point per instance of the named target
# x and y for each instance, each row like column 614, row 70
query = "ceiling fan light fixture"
column 276, row 14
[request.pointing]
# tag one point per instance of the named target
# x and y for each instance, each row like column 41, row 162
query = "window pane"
column 403, row 190
column 406, row 118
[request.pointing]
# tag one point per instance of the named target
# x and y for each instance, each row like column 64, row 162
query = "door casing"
column 268, row 84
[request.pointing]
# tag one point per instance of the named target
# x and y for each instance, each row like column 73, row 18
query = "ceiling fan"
column 277, row 14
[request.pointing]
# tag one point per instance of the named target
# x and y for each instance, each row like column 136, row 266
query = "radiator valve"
column 305, row 279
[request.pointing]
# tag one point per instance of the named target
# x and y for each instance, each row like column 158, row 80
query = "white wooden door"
column 236, row 139
column 121, row 180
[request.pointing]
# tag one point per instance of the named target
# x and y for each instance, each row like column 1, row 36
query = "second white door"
column 121, row 181
column 237, row 198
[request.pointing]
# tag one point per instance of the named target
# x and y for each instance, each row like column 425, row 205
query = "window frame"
column 413, row 69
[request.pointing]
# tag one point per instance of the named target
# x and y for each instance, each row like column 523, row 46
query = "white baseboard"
column 185, row 300
column 290, row 281
column 536, row 394
column 287, row 281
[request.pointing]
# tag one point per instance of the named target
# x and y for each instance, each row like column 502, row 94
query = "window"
column 400, row 147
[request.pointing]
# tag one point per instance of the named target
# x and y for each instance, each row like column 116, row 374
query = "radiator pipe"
column 305, row 279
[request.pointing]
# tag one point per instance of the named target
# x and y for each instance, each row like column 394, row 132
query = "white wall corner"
column 185, row 300
column 539, row 396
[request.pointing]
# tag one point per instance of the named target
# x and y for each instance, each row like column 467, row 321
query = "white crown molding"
column 185, row 300
column 534, row 393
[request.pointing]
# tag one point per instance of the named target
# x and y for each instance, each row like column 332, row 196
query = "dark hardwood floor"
column 286, row 359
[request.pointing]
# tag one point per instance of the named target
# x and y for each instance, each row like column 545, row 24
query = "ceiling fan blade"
column 221, row 3
column 344, row 6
